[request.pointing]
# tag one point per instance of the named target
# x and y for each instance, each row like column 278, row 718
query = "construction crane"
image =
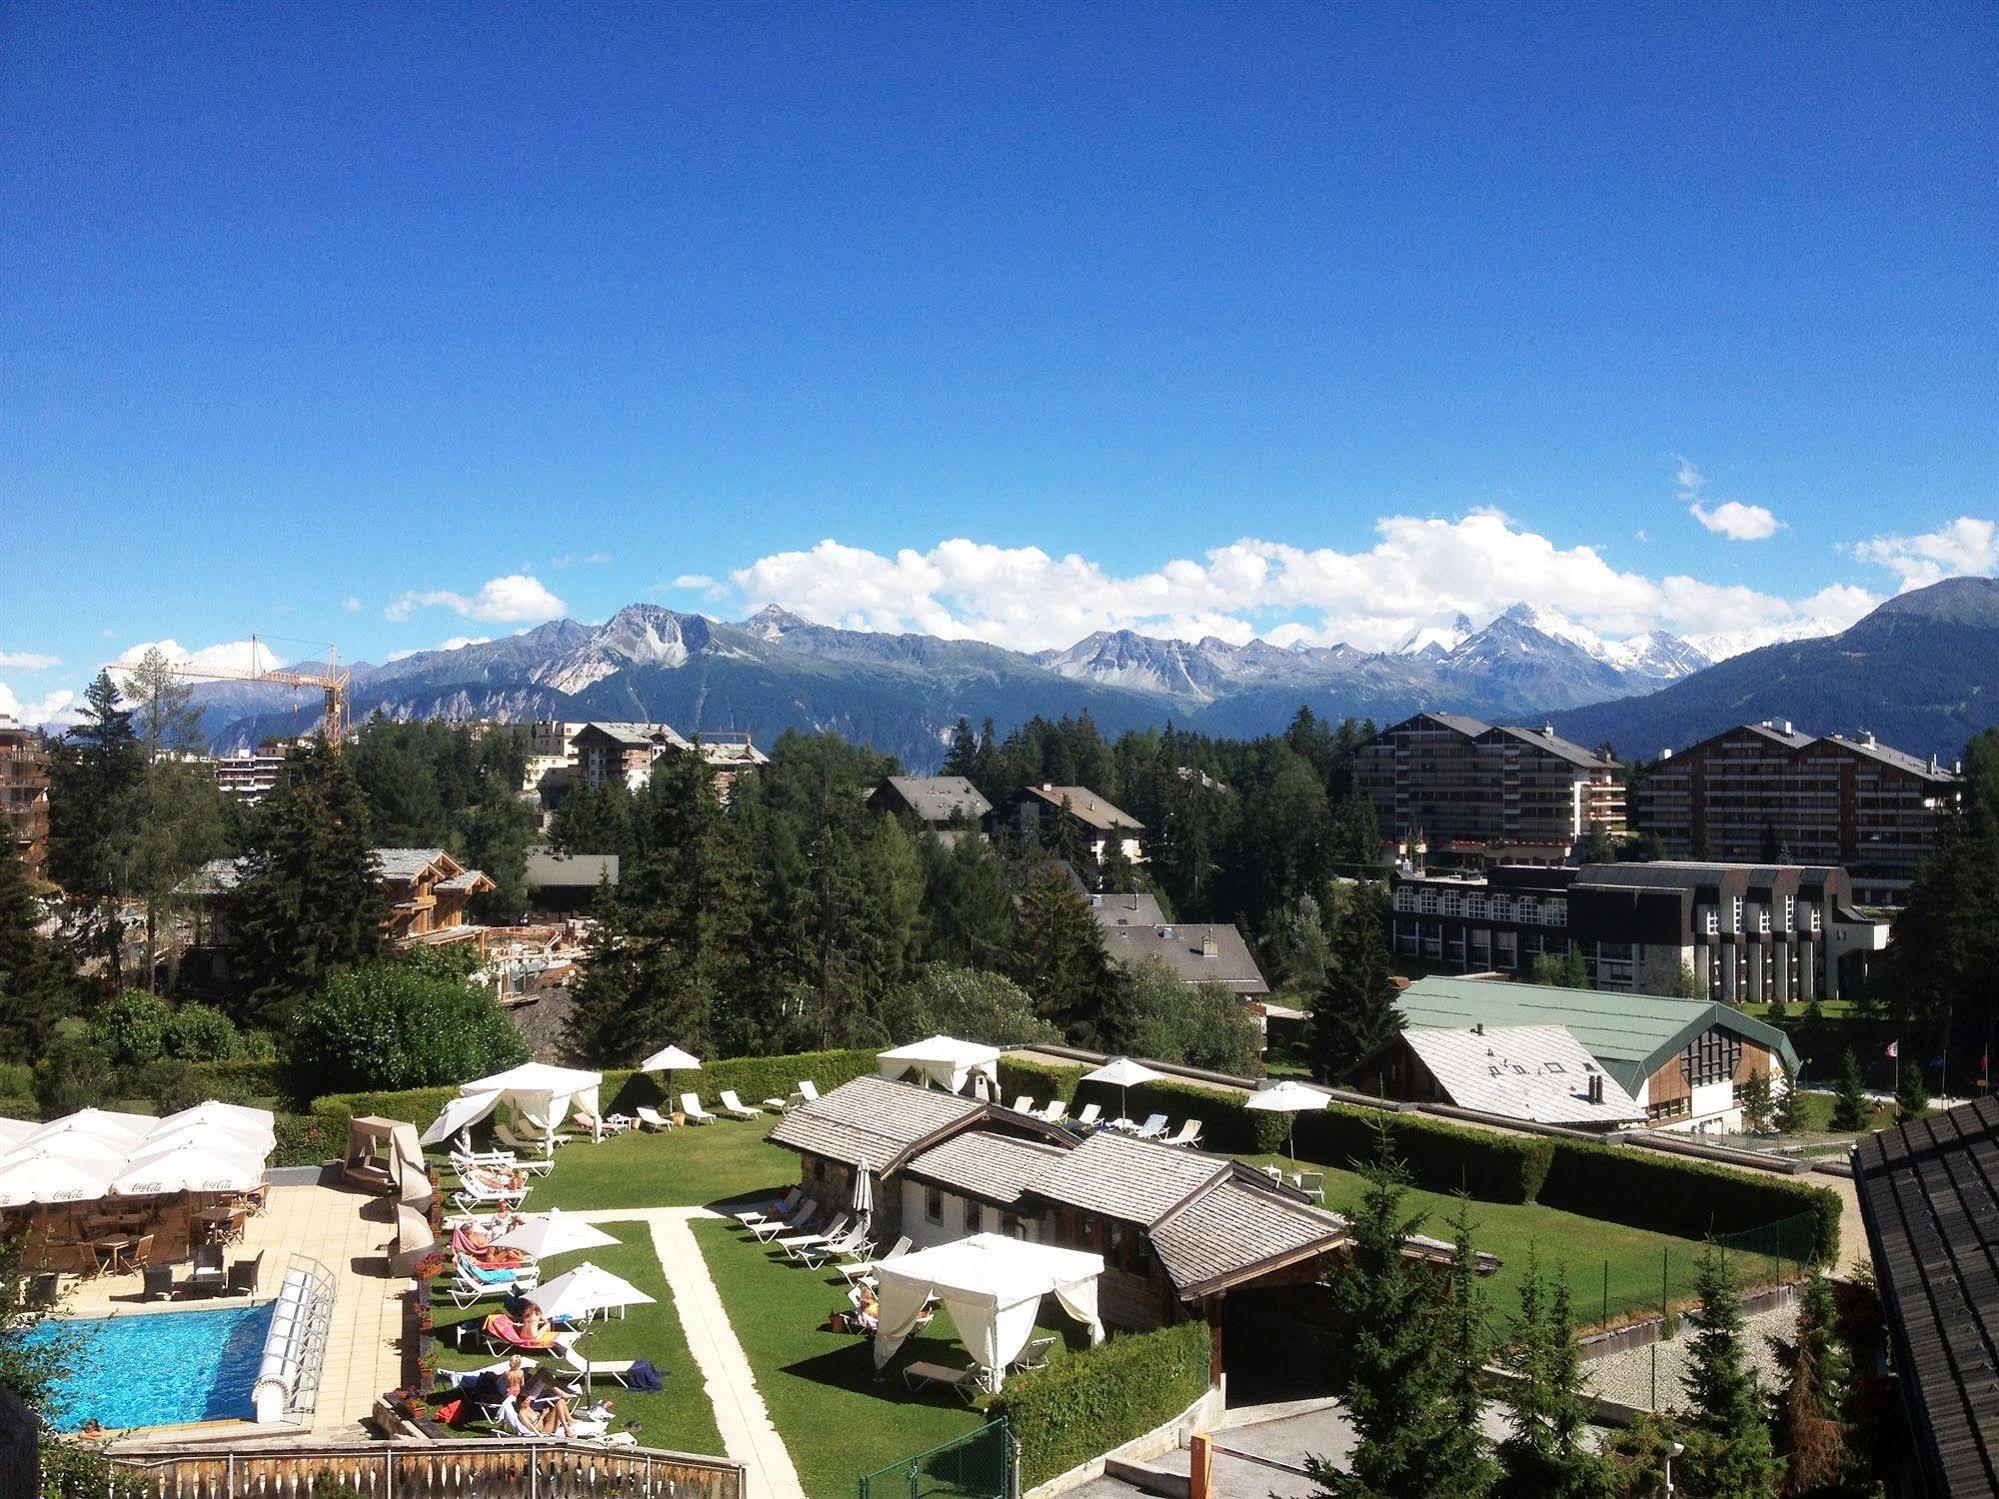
column 331, row 682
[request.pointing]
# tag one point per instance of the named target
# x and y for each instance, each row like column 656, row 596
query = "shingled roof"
column 980, row 1163
column 886, row 1123
column 936, row 798
column 1929, row 1191
column 1238, row 1229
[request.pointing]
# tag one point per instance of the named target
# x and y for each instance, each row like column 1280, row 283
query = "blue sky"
column 398, row 325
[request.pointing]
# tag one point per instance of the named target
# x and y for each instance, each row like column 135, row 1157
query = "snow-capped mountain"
column 1437, row 636
column 1723, row 644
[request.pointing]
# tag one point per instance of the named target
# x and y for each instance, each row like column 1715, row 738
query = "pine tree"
column 1390, row 1371
column 1784, row 1116
column 1757, row 1105
column 1059, row 955
column 1463, row 1458
column 1356, row 834
column 1850, row 1108
column 1354, row 1011
column 1912, row 1092
column 35, row 989
column 314, row 903
column 178, row 812
column 94, row 778
column 1547, row 1452
column 1811, row 1433
column 1728, row 1439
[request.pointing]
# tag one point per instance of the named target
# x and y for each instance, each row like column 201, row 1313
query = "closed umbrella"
column 670, row 1060
column 864, row 1189
column 555, row 1232
column 1122, row 1072
column 43, row 1176
column 1291, row 1098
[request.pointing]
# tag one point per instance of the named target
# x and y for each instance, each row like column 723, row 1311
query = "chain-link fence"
column 1619, row 1292
column 978, row 1465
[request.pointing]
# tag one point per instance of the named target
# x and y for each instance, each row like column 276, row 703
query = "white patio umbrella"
column 44, row 1176
column 669, row 1060
column 581, row 1293
column 222, row 1119
column 1122, row 1072
column 1287, row 1097
column 14, row 1131
column 554, row 1232
column 95, row 1124
column 864, row 1188
column 190, row 1167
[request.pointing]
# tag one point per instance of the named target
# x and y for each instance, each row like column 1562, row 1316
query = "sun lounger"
column 1023, row 1104
column 541, row 1145
column 1088, row 1116
column 770, row 1228
column 503, row 1334
column 764, row 1212
column 808, row 1090
column 1054, row 1112
column 855, row 1242
column 497, row 1160
column 600, row 1126
column 691, row 1107
column 792, row 1243
column 652, row 1118
column 1313, row 1184
column 861, row 1272
column 1033, row 1356
column 1153, row 1128
column 1190, row 1132
column 735, row 1106
column 968, row 1381
column 597, row 1368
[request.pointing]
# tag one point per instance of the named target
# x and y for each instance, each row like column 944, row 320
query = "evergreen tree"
column 1728, row 1435
column 1850, row 1108
column 1757, row 1105
column 1912, row 1092
column 1566, row 970
column 1058, row 955
column 313, row 904
column 1463, row 1460
column 1390, row 1370
column 1356, row 834
column 967, row 902
column 35, row 987
column 1547, row 1453
column 94, row 777
column 1354, row 1011
column 1811, row 1432
column 1784, row 1117
column 962, row 759
column 1116, row 874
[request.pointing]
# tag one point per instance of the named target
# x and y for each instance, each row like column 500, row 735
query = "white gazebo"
column 992, row 1285
column 942, row 1062
column 540, row 1093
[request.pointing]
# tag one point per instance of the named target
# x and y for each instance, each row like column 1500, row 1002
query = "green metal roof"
column 1632, row 1035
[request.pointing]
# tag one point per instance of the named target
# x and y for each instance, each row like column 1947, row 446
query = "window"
column 1713, row 922
column 933, row 1205
column 1735, row 920
column 1762, row 918
column 1672, row 1108
column 1553, row 1066
column 1012, row 1227
column 1790, row 913
column 1711, row 1057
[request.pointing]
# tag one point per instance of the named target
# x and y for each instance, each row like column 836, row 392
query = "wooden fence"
column 463, row 1469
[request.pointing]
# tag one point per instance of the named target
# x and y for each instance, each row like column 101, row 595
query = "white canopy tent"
column 942, row 1062
column 533, row 1089
column 992, row 1285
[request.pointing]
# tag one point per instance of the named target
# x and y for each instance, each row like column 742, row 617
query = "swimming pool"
column 160, row 1368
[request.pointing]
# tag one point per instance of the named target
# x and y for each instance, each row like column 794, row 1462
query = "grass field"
column 819, row 1386
column 684, row 1167
column 679, row 1417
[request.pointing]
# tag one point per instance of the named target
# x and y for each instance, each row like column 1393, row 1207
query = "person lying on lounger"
column 536, row 1328
column 546, row 1407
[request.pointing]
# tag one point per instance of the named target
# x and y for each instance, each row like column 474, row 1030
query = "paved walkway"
column 747, row 1433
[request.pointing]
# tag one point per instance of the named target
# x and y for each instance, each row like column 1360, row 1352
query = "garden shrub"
column 132, row 1029
column 200, row 1033
column 1081, row 1407
column 395, row 1025
column 1041, row 1081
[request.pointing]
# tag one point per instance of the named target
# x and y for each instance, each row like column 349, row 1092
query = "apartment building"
column 1037, row 812
column 251, row 775
column 1767, row 792
column 1747, row 933
column 24, row 793
column 1472, row 787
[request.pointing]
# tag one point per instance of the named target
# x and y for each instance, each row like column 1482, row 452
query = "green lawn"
column 1814, row 1112
column 679, row 1417
column 819, row 1386
column 1585, row 1248
column 683, row 1167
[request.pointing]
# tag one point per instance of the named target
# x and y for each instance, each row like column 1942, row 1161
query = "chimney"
column 1208, row 949
column 1666, row 753
column 1596, row 1087
column 1547, row 731
column 1478, row 1027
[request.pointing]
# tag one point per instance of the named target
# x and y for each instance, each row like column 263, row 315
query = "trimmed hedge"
column 307, row 1140
column 1668, row 1194
column 1081, row 1407
column 752, row 1078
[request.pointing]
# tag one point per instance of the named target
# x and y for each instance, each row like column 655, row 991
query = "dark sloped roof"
column 885, row 1123
column 940, row 798
column 1929, row 1191
column 1237, row 1229
column 1549, row 744
column 1085, row 805
column 1182, row 948
column 220, row 876
column 1134, row 1180
column 1901, row 760
column 401, row 865
column 1470, row 727
column 992, row 1167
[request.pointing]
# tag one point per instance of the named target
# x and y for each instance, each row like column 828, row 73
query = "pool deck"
column 345, row 1231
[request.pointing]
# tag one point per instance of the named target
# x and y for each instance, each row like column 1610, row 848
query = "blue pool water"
column 159, row 1368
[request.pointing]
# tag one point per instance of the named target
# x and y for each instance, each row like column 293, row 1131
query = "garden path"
column 747, row 1433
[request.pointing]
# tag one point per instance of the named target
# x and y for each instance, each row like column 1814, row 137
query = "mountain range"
column 1917, row 668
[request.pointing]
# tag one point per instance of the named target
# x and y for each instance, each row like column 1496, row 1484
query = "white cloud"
column 1476, row 564
column 28, row 660
column 693, row 580
column 1731, row 518
column 232, row 655
column 508, row 600
column 456, row 642
column 56, row 710
column 351, row 604
column 1965, row 546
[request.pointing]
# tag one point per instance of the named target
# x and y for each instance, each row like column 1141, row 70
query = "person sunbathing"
column 536, row 1328
column 516, row 1377
column 546, row 1407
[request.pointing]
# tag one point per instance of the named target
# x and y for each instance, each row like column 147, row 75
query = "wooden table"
column 225, row 1224
column 111, row 1255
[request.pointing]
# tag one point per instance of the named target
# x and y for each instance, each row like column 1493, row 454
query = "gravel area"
column 1627, row 1377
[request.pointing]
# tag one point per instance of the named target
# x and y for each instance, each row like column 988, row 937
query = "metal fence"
column 978, row 1465
column 462, row 1469
column 1616, row 1294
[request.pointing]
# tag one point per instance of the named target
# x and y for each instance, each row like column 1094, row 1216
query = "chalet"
column 934, row 801
column 1037, row 813
column 1687, row 1063
column 603, row 752
column 567, row 884
column 427, row 893
column 1200, row 952
column 1181, row 1231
